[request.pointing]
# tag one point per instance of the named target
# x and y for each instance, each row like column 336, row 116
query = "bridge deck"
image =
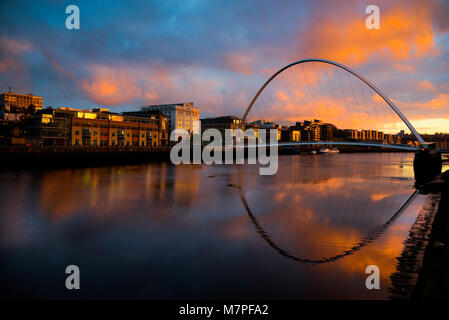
column 342, row 143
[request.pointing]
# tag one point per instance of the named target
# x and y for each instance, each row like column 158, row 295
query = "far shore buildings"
column 371, row 135
column 16, row 106
column 303, row 131
column 179, row 115
column 221, row 123
column 97, row 128
column 23, row 121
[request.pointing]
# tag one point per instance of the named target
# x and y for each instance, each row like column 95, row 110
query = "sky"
column 217, row 54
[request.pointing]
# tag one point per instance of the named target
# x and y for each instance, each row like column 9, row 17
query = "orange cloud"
column 406, row 32
column 11, row 51
column 113, row 86
column 404, row 67
column 238, row 62
column 426, row 85
column 440, row 101
column 281, row 95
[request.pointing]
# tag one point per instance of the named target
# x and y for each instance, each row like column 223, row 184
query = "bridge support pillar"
column 427, row 164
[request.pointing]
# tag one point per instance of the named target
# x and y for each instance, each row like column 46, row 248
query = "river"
column 159, row 231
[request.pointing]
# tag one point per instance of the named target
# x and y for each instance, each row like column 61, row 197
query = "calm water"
column 161, row 231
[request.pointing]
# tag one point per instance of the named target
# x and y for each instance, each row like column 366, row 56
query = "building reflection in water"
column 315, row 207
column 117, row 191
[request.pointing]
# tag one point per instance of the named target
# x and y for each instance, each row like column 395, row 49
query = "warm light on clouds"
column 219, row 61
column 432, row 125
column 406, row 32
column 11, row 51
column 238, row 62
column 426, row 85
column 440, row 102
column 404, row 67
column 111, row 86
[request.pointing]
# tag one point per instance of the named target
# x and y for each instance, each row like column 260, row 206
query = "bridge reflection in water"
column 184, row 232
column 316, row 216
column 370, row 237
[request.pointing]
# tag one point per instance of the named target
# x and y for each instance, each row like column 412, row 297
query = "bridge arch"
column 336, row 64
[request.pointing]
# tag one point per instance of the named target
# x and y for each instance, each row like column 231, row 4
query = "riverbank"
column 76, row 157
column 17, row 158
column 433, row 281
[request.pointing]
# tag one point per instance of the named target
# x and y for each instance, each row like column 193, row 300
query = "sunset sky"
column 217, row 54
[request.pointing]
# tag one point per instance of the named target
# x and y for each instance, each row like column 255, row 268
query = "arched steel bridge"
column 380, row 93
column 374, row 232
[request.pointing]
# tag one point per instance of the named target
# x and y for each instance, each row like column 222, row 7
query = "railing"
column 342, row 143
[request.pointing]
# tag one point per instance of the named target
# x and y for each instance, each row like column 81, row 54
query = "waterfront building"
column 327, row 131
column 310, row 130
column 362, row 135
column 104, row 128
column 180, row 115
column 380, row 136
column 371, row 135
column 316, row 126
column 15, row 106
column 221, row 124
column 43, row 129
column 290, row 134
column 11, row 133
column 351, row 134
column 158, row 116
column 267, row 125
column 308, row 134
column 97, row 127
